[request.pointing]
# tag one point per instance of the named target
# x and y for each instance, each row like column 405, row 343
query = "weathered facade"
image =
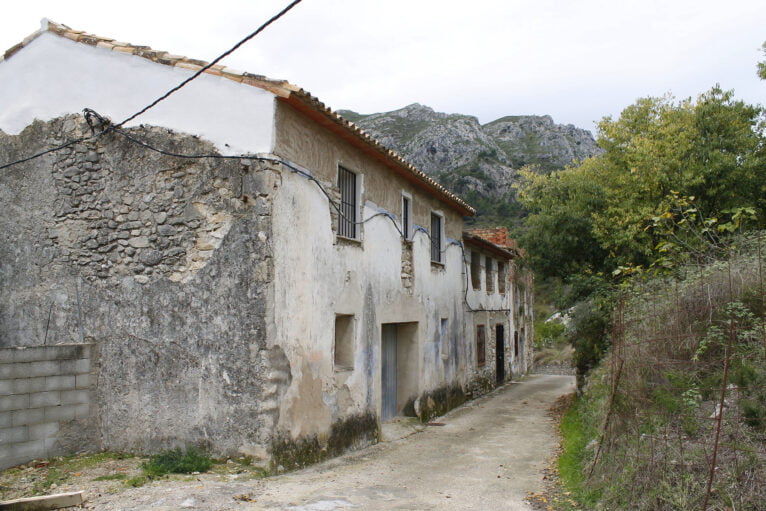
column 279, row 304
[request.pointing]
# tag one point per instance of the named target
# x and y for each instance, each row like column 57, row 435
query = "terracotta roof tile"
column 281, row 88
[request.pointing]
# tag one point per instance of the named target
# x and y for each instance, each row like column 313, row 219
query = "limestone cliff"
column 478, row 161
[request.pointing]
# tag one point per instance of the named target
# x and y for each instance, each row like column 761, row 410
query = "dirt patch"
column 103, row 474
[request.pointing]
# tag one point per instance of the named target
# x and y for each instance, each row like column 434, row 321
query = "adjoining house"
column 239, row 267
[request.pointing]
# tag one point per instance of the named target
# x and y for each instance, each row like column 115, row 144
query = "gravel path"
column 488, row 455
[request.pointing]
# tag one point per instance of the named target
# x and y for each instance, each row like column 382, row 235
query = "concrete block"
column 82, row 411
column 81, row 366
column 42, row 431
column 73, row 397
column 14, row 435
column 59, row 413
column 22, row 417
column 6, row 387
column 27, row 354
column 82, row 381
column 27, row 385
column 27, row 450
column 7, row 371
column 31, row 369
column 42, row 399
column 43, row 353
column 62, row 382
column 15, row 402
column 6, row 419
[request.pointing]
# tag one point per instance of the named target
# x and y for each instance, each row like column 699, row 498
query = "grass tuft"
column 176, row 461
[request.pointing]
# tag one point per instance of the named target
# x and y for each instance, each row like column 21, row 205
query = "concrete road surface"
column 487, row 456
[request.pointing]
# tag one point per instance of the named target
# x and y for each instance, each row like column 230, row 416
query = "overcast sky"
column 576, row 60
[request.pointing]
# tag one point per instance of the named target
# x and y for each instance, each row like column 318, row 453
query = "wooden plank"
column 57, row 501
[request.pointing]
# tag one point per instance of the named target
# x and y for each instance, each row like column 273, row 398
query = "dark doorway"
column 500, row 353
column 388, row 372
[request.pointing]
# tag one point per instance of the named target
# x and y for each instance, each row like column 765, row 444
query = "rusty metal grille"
column 436, row 238
column 348, row 207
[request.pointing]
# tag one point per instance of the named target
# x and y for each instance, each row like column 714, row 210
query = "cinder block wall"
column 45, row 401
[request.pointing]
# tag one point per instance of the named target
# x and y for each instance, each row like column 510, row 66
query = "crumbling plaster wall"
column 164, row 263
column 317, row 277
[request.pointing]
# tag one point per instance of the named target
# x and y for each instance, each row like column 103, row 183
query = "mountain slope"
column 480, row 162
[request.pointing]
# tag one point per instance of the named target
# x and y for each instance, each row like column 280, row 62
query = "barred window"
column 406, row 217
column 348, row 203
column 436, row 238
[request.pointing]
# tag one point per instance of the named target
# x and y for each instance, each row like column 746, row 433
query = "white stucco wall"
column 315, row 279
column 53, row 76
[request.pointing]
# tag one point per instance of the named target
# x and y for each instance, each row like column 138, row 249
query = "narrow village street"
column 487, row 455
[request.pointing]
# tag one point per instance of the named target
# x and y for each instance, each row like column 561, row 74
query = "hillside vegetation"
column 657, row 248
column 675, row 416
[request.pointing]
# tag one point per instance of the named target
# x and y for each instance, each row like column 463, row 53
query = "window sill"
column 436, row 265
column 353, row 242
column 343, row 369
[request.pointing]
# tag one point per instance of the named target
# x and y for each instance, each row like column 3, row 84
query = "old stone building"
column 239, row 267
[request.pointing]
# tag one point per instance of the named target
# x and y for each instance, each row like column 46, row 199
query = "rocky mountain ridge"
column 478, row 161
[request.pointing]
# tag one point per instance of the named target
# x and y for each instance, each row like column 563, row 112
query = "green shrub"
column 176, row 461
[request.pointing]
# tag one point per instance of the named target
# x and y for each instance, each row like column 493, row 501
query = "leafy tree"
column 559, row 229
column 599, row 216
column 762, row 65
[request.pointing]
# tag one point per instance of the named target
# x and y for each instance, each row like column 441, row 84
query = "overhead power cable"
column 212, row 63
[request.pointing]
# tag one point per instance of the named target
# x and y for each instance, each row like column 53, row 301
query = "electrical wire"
column 212, row 63
column 47, row 151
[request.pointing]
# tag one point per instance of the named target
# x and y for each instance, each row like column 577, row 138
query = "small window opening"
column 344, row 342
column 516, row 343
column 406, row 217
column 501, row 277
column 490, row 275
column 436, row 238
column 348, row 206
column 475, row 270
column 443, row 338
column 481, row 346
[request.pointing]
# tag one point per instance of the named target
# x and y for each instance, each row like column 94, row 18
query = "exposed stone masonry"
column 112, row 225
column 162, row 263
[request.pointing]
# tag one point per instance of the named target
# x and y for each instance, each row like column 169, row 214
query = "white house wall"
column 317, row 277
column 53, row 76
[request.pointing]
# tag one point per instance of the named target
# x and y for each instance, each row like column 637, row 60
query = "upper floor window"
column 490, row 275
column 437, row 238
column 501, row 277
column 406, row 216
column 347, row 223
column 475, row 270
